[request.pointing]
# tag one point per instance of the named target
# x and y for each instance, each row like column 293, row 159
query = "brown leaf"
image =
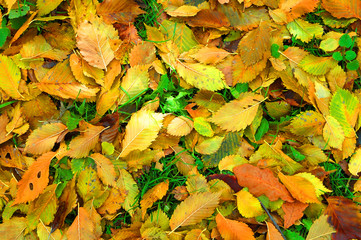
column 261, row 181
column 121, row 11
column 345, row 216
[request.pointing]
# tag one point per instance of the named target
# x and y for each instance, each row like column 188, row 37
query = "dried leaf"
column 180, row 126
column 83, row 227
column 152, row 195
column 293, row 212
column 320, row 229
column 105, row 169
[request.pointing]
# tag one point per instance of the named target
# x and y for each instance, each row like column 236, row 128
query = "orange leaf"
column 122, row 11
column 343, row 8
column 233, row 230
column 180, row 126
column 273, row 233
column 34, row 180
column 152, row 195
column 83, row 227
column 43, row 139
column 293, row 212
column 300, row 188
column 261, row 181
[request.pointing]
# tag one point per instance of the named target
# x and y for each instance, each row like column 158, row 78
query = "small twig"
column 273, row 220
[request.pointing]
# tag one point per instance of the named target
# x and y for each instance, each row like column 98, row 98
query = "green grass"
column 153, row 11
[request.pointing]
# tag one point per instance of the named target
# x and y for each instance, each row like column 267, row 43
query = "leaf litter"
column 227, row 119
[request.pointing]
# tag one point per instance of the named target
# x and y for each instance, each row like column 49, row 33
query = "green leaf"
column 4, row 33
column 344, row 107
column 317, row 65
column 350, row 55
column 16, row 23
column 274, row 51
column 337, row 56
column 238, row 89
column 345, row 41
column 262, row 129
column 203, row 127
column 354, row 65
column 297, row 155
column 304, row 30
column 16, row 13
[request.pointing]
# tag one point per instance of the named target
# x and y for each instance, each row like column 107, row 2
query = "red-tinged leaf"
column 293, row 212
column 83, row 227
column 261, row 181
column 233, row 230
column 345, row 216
column 34, row 180
column 230, row 180
column 111, row 122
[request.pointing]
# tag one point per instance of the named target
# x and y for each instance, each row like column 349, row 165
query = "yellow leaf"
column 18, row 123
column 231, row 161
column 135, row 81
column 81, row 145
column 197, row 183
column 180, row 126
column 88, row 185
column 300, row 188
column 248, row 205
column 194, row 209
column 333, row 133
column 201, row 76
column 210, row 145
column 14, row 228
column 126, row 182
column 60, row 81
column 42, row 140
column 152, row 195
column 141, row 131
column 9, row 77
column 93, row 41
column 107, row 99
column 202, row 126
column 238, row 114
column 105, row 169
column 107, row 148
column 183, row 11
column 307, row 123
column 46, row 6
column 354, row 165
column 317, row 65
column 316, row 182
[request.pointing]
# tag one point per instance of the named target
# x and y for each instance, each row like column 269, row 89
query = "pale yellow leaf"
column 141, row 131
column 194, row 209
column 333, row 133
column 209, row 145
column 238, row 114
column 183, row 11
column 105, row 169
column 321, row 229
column 248, row 205
column 231, row 161
column 180, row 126
column 354, row 165
column 126, row 183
